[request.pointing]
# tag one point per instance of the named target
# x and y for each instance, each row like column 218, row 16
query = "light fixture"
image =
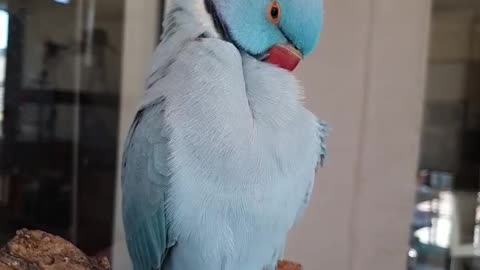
column 65, row 2
column 3, row 29
column 412, row 253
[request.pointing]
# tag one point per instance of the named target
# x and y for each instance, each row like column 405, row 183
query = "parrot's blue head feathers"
column 255, row 26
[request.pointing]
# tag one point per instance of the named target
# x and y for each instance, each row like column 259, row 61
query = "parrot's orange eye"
column 274, row 12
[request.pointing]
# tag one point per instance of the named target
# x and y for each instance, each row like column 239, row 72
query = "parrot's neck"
column 191, row 14
column 275, row 96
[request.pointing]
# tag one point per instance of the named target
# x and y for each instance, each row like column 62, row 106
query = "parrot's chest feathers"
column 249, row 154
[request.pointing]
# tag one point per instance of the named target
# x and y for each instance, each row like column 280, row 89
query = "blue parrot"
column 220, row 160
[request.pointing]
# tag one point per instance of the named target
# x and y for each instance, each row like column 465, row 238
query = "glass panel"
column 4, row 18
column 60, row 64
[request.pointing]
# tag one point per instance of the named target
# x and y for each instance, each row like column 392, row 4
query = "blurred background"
column 398, row 81
column 60, row 64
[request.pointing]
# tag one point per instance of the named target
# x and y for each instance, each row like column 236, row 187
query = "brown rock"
column 37, row 250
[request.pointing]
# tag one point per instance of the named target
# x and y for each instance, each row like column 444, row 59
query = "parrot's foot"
column 286, row 265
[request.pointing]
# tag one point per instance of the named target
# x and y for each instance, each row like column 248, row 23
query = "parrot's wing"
column 322, row 134
column 322, row 155
column 146, row 171
column 145, row 177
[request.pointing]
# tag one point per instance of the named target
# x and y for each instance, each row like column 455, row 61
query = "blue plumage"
column 220, row 160
column 301, row 23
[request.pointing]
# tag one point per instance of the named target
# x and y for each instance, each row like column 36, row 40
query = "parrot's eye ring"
column 274, row 12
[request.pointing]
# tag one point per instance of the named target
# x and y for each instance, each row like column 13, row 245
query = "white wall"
column 367, row 80
column 140, row 24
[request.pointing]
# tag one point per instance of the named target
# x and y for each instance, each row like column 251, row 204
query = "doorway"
column 445, row 231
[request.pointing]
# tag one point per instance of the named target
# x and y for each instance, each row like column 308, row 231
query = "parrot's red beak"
column 284, row 56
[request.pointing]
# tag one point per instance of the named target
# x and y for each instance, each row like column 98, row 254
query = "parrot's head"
column 281, row 32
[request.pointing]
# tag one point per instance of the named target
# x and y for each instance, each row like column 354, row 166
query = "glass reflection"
column 440, row 212
column 60, row 65
column 4, row 18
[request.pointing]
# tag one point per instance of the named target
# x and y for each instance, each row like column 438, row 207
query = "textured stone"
column 37, row 250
